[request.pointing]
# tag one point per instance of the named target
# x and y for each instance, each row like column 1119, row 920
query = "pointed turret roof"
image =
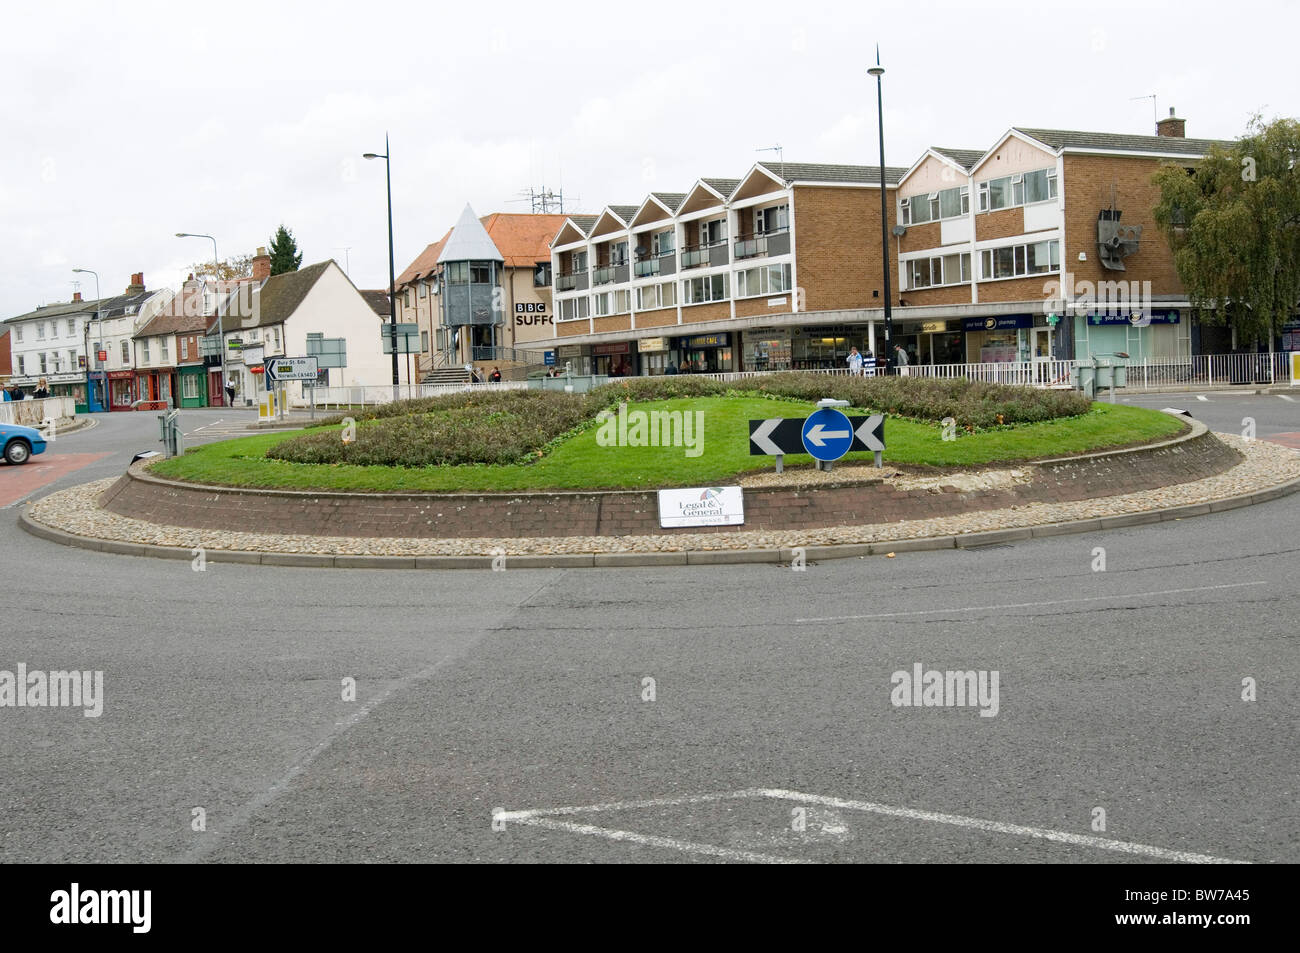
column 469, row 241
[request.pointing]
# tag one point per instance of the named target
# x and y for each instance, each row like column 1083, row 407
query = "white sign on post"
column 702, row 506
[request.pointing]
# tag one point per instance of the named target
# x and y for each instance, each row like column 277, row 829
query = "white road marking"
column 205, row 426
column 651, row 840
column 1202, row 397
column 998, row 827
column 1033, row 605
column 1287, row 397
column 546, row 818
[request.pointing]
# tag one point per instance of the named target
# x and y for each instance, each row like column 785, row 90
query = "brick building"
column 1041, row 247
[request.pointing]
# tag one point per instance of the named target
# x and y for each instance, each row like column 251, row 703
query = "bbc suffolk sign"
column 702, row 506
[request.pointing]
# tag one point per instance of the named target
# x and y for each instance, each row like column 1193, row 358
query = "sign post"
column 827, row 434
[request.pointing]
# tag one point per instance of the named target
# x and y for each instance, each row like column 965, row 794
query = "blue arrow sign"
column 827, row 434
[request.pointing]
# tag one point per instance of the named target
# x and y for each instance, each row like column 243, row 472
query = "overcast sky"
column 125, row 123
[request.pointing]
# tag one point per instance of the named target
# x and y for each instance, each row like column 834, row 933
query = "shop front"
column 193, row 384
column 156, row 384
column 121, row 389
column 706, row 353
column 653, row 355
column 1003, row 339
column 767, row 349
column 613, row 359
column 576, row 356
column 937, row 342
column 1165, row 337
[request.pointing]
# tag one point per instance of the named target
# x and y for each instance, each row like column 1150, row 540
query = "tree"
column 239, row 266
column 1233, row 222
column 285, row 256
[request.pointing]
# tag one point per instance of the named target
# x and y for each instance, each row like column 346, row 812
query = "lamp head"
column 876, row 71
column 372, row 155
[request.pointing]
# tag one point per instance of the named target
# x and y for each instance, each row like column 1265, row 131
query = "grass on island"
column 579, row 462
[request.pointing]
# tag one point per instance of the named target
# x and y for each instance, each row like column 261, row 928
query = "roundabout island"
column 545, row 478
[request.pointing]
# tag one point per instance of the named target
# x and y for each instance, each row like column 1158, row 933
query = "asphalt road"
column 771, row 734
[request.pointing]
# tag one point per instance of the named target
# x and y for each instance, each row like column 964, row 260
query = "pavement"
column 1144, row 711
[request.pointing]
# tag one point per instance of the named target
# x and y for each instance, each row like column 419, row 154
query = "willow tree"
column 1233, row 222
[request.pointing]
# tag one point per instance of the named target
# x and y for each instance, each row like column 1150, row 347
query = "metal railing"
column 644, row 267
column 695, row 256
column 568, row 280
column 754, row 245
column 1041, row 373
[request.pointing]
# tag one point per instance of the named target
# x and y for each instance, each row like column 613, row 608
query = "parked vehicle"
column 20, row 442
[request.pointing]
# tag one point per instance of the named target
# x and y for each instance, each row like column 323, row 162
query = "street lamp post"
column 221, row 330
column 879, row 71
column 99, row 318
column 392, row 279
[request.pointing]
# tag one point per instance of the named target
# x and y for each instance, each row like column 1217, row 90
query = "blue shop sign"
column 1158, row 316
column 705, row 340
column 1001, row 322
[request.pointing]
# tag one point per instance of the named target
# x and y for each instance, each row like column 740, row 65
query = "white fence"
column 34, row 413
column 1203, row 370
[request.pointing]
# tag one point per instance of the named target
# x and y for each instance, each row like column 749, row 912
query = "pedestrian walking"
column 900, row 359
column 495, row 376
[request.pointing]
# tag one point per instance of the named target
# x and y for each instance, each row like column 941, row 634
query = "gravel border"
column 73, row 517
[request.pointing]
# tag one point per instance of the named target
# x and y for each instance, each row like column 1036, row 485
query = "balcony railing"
column 756, row 244
column 568, row 280
column 606, row 274
column 695, row 256
column 645, row 267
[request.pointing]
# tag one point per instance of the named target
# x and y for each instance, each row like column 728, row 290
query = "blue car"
column 20, row 442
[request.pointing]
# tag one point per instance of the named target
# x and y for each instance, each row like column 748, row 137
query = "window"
column 579, row 261
column 611, row 302
column 714, row 232
column 424, row 289
column 618, row 253
column 185, row 349
column 573, row 308
column 275, row 340
column 769, row 279
column 542, row 275
column 1019, row 189
column 650, row 297
column 144, row 351
column 18, row 332
column 663, row 243
column 945, row 270
column 162, row 350
column 54, row 329
column 190, row 386
column 1013, row 261
column 72, row 327
column 457, row 272
column 126, row 352
column 1040, row 186
column 72, row 360
column 931, row 207
column 424, row 341
column 40, row 330
column 708, row 288
column 43, row 362
column 410, row 298
column 773, row 219
column 480, row 273
column 954, row 202
column 21, row 364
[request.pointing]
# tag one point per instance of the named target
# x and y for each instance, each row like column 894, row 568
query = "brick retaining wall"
column 138, row 494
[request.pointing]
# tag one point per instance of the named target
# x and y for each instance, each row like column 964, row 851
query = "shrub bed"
column 511, row 427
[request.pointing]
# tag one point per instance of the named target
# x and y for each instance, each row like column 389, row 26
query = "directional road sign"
column 827, row 434
column 291, row 369
column 777, row 436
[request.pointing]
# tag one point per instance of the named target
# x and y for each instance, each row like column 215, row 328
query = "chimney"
column 261, row 265
column 76, row 296
column 137, row 283
column 1172, row 127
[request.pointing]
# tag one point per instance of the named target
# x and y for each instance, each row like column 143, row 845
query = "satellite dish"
column 640, row 251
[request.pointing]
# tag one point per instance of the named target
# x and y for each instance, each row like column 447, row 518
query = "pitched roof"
column 378, row 301
column 625, row 212
column 966, row 158
column 723, row 187
column 183, row 314
column 274, row 302
column 1070, row 139
column 673, row 200
column 523, row 239
column 794, row 172
column 583, row 222
column 425, row 264
column 469, row 241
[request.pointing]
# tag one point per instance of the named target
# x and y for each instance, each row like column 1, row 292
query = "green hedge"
column 517, row 426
